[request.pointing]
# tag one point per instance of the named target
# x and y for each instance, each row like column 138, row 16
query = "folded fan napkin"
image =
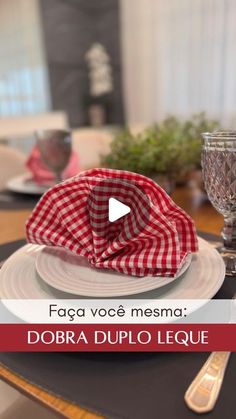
column 153, row 239
column 41, row 173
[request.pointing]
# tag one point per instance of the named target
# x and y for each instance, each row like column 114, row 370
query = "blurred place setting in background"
column 136, row 99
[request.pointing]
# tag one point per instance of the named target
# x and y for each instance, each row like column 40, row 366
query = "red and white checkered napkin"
column 153, row 239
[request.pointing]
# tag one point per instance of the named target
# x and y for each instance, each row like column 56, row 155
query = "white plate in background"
column 23, row 184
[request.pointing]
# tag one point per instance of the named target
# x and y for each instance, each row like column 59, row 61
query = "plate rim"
column 110, row 294
column 33, row 247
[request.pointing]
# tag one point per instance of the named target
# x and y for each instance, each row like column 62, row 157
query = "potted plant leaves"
column 166, row 152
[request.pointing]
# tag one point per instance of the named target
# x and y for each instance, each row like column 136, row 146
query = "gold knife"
column 203, row 392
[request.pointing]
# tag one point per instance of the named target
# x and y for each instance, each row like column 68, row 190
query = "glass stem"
column 58, row 177
column 229, row 234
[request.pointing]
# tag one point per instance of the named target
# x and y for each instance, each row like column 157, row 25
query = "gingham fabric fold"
column 152, row 240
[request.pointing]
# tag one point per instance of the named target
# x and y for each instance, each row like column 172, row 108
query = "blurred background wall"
column 178, row 58
column 43, row 45
column 70, row 27
column 24, row 87
column 166, row 56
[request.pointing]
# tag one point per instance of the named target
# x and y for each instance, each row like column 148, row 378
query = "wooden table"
column 12, row 228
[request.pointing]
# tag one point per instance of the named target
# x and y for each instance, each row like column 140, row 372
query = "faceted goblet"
column 55, row 148
column 219, row 175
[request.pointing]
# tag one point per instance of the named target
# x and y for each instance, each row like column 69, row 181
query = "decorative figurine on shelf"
column 101, row 84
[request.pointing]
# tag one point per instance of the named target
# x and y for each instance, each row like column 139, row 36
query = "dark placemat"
column 123, row 385
column 17, row 201
column 7, row 249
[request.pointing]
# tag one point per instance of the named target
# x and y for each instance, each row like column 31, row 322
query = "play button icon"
column 117, row 210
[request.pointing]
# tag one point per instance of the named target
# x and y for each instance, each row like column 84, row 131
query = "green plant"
column 172, row 147
column 192, row 130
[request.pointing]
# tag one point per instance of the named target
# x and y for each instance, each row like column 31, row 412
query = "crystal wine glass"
column 55, row 148
column 219, row 175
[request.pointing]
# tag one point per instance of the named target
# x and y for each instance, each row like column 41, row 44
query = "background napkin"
column 153, row 239
column 42, row 174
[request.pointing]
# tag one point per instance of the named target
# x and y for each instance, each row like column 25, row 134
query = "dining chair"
column 15, row 405
column 12, row 163
column 90, row 144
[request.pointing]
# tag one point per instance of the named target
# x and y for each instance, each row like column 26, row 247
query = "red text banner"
column 119, row 337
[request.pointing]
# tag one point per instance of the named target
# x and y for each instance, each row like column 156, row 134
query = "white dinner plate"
column 23, row 184
column 19, row 278
column 73, row 274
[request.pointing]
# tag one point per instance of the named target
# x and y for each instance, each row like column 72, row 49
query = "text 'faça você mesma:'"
column 73, row 314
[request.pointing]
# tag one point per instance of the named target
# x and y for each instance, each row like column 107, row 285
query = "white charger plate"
column 20, row 280
column 23, row 184
column 73, row 274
